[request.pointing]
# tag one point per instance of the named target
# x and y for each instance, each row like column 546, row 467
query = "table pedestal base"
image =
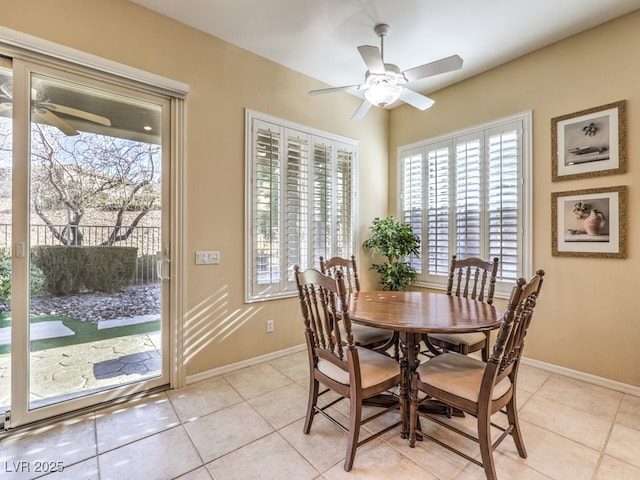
column 382, row 400
column 435, row 407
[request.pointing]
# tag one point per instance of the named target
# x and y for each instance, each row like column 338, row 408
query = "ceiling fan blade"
column 42, row 115
column 444, row 65
column 415, row 99
column 362, row 110
column 372, row 59
column 333, row 89
column 74, row 112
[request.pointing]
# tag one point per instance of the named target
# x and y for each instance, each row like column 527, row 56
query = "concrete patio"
column 77, row 369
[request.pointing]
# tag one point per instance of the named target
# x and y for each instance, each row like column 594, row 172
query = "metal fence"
column 146, row 239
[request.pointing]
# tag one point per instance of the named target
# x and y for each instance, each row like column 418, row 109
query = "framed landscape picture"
column 589, row 143
column 589, row 223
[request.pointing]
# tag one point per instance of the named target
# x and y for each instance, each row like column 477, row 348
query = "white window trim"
column 252, row 116
column 526, row 192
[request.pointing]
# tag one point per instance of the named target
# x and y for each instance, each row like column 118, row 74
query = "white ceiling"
column 319, row 37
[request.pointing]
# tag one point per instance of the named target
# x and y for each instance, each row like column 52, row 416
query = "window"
column 300, row 202
column 468, row 194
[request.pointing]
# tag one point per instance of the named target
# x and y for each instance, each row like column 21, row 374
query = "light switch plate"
column 207, row 257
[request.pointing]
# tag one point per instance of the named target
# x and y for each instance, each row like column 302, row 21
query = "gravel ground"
column 95, row 306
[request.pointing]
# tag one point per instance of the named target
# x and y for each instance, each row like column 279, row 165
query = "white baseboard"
column 585, row 377
column 549, row 367
column 215, row 372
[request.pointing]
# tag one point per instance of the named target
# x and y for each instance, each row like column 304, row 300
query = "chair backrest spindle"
column 509, row 343
column 324, row 303
column 470, row 276
column 348, row 268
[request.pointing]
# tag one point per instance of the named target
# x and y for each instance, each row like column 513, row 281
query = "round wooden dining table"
column 422, row 312
column 414, row 314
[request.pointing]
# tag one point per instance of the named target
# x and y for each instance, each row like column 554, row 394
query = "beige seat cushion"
column 460, row 375
column 374, row 368
column 460, row 338
column 364, row 335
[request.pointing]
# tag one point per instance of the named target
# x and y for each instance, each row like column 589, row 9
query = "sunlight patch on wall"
column 210, row 321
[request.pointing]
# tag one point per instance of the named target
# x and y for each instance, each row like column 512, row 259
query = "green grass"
column 85, row 332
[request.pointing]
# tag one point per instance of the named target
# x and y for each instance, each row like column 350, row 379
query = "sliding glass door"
column 6, row 141
column 88, row 237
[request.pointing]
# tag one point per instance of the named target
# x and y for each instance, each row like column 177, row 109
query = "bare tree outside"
column 78, row 174
column 87, row 190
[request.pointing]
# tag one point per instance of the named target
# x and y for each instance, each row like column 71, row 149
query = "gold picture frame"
column 589, row 143
column 589, row 223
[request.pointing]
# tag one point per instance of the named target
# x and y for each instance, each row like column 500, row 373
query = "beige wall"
column 224, row 80
column 587, row 318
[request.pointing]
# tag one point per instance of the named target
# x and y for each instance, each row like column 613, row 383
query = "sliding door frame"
column 33, row 54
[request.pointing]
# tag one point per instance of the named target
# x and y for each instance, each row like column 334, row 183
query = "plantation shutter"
column 266, row 219
column 469, row 202
column 412, row 177
column 300, row 203
column 345, row 199
column 503, row 199
column 438, row 207
column 322, row 192
column 297, row 201
column 462, row 195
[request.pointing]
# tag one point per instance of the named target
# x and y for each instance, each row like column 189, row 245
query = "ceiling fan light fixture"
column 384, row 83
column 382, row 94
column 384, row 88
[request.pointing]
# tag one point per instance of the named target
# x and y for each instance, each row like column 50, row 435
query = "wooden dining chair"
column 353, row 372
column 479, row 388
column 470, row 278
column 377, row 339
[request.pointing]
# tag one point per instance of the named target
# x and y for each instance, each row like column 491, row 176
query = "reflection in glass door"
column 95, row 232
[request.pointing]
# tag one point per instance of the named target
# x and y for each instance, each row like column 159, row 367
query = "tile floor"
column 248, row 425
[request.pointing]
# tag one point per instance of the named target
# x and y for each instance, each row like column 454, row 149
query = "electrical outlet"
column 269, row 326
column 204, row 257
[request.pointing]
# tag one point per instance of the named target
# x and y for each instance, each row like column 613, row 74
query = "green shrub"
column 63, row 267
column 109, row 269
column 71, row 269
column 36, row 278
column 5, row 279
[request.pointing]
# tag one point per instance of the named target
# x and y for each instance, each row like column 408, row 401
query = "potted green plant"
column 395, row 241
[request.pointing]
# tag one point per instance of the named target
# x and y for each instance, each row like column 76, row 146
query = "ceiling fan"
column 384, row 83
column 43, row 111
